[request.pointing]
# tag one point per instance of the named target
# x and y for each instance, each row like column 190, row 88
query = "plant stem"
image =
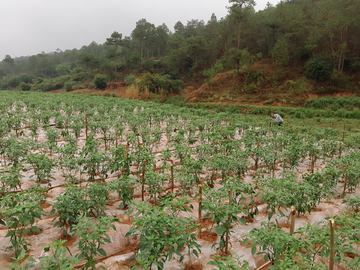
column 86, row 126
column 143, row 182
column 200, row 203
column 172, row 179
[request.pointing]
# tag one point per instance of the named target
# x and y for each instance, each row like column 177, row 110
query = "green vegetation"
column 195, row 170
column 333, row 103
column 297, row 113
column 100, row 81
column 272, row 56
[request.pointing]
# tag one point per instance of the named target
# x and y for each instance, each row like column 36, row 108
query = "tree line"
column 321, row 35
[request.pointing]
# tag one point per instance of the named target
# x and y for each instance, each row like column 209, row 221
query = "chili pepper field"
column 90, row 182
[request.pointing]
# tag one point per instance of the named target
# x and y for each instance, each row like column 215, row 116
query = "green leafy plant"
column 227, row 262
column 353, row 202
column 125, row 187
column 273, row 242
column 17, row 263
column 222, row 213
column 161, row 235
column 98, row 194
column 57, row 257
column 69, row 206
column 9, row 179
column 100, row 81
column 318, row 69
column 42, row 167
column 19, row 220
column 92, row 235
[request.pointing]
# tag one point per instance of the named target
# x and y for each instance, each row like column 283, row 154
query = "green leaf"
column 35, row 229
column 10, row 233
column 245, row 241
column 102, row 252
column 253, row 250
column 266, row 257
column 220, row 230
column 243, row 220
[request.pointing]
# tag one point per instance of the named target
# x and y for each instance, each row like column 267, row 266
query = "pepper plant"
column 92, row 236
column 19, row 216
column 161, row 235
column 68, row 207
column 98, row 194
column 228, row 262
column 42, row 167
column 216, row 203
column 18, row 262
column 57, row 257
column 9, row 179
column 273, row 242
column 124, row 186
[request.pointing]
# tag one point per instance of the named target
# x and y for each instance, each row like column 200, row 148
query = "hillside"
column 266, row 84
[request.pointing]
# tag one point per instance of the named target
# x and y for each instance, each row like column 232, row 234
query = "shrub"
column 299, row 114
column 130, row 80
column 340, row 79
column 46, row 85
column 100, row 81
column 156, row 83
column 25, row 86
column 333, row 103
column 69, row 86
column 281, row 51
column 81, row 76
column 177, row 101
column 16, row 80
column 298, row 86
column 318, row 69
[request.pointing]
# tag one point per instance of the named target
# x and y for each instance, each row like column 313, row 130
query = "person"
column 277, row 118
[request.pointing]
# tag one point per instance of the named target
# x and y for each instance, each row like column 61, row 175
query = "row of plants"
column 309, row 111
column 125, row 139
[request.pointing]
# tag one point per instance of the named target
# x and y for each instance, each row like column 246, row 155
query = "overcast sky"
column 28, row 27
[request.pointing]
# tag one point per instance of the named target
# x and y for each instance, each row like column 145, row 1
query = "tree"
column 10, row 63
column 238, row 58
column 45, row 66
column 196, row 47
column 174, row 42
column 212, row 37
column 162, row 33
column 8, row 60
column 179, row 28
column 89, row 61
column 62, row 70
column 239, row 10
column 142, row 34
column 193, row 28
column 115, row 41
column 281, row 51
column 333, row 24
column 177, row 53
column 225, row 30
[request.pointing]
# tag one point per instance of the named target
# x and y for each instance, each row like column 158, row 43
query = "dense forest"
column 317, row 37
